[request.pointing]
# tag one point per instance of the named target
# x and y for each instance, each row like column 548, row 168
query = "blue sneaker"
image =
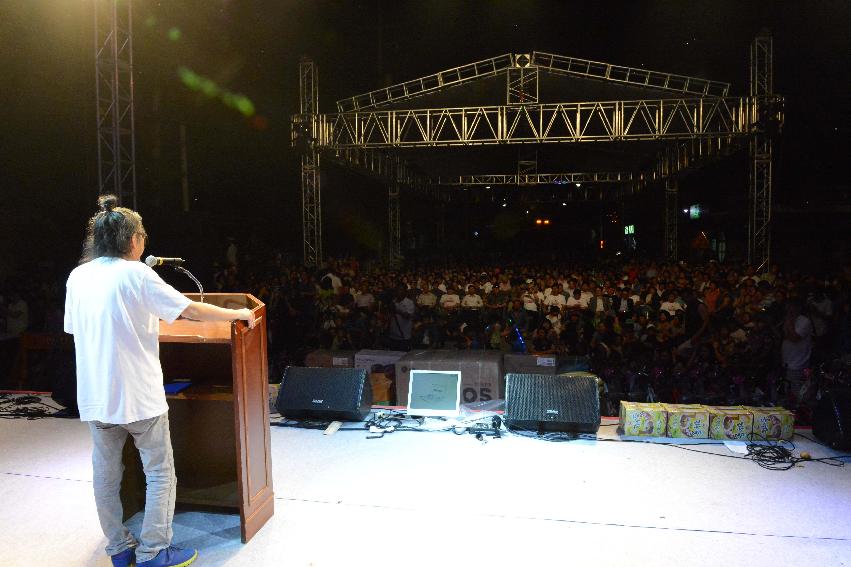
column 171, row 557
column 124, row 559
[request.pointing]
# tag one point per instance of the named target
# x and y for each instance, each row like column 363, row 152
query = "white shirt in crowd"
column 555, row 320
column 426, row 299
column 113, row 307
column 529, row 302
column 472, row 301
column 796, row 355
column 573, row 303
column 671, row 307
column 336, row 283
column 450, row 300
column 556, row 299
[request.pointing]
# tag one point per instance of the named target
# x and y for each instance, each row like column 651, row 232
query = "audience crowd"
column 710, row 333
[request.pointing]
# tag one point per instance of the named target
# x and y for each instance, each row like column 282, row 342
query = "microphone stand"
column 183, row 270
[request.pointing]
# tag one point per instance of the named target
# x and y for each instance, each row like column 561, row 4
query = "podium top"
column 188, row 331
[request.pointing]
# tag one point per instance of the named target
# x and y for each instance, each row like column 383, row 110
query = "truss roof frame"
column 555, row 64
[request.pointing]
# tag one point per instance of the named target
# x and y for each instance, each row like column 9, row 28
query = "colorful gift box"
column 730, row 422
column 687, row 421
column 772, row 424
column 640, row 419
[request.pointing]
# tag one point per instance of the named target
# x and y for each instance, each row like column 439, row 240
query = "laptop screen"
column 435, row 393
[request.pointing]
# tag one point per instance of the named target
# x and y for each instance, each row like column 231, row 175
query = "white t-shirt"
column 473, row 301
column 671, row 307
column 450, row 300
column 113, row 307
column 796, row 355
column 427, row 299
column 556, row 299
column 336, row 283
column 529, row 302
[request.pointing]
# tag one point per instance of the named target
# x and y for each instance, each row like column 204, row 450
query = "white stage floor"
column 443, row 499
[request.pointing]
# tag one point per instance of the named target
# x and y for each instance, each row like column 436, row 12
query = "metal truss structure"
column 769, row 118
column 539, row 179
column 608, row 121
column 311, row 202
column 527, row 161
column 671, row 213
column 114, row 94
column 429, row 84
column 393, row 211
column 699, row 121
column 385, row 167
column 631, row 76
column 556, row 64
column 522, row 81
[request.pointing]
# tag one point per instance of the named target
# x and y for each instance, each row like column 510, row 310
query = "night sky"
column 243, row 175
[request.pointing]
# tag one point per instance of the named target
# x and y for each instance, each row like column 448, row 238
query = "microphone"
column 152, row 261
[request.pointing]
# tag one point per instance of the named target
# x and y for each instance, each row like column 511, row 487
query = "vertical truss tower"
column 762, row 89
column 310, row 185
column 393, row 210
column 114, row 94
column 671, row 213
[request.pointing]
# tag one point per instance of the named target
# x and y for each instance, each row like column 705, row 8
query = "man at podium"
column 113, row 305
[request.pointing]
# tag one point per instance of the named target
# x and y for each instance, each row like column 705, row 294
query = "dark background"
column 244, row 177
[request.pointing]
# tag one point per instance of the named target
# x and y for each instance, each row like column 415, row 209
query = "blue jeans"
column 153, row 440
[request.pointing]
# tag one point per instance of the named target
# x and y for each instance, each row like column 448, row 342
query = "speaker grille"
column 325, row 393
column 832, row 419
column 552, row 403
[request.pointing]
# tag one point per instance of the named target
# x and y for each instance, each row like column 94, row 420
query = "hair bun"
column 107, row 202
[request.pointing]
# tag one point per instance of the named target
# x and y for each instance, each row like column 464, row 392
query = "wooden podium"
column 220, row 423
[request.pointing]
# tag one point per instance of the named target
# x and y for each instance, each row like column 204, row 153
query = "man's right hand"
column 248, row 316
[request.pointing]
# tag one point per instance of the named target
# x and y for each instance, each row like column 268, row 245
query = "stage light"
column 579, row 185
column 685, row 211
column 487, row 186
column 695, row 211
column 527, row 212
column 564, row 204
column 505, row 204
column 538, row 221
column 546, row 221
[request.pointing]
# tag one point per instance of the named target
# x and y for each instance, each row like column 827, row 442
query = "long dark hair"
column 110, row 231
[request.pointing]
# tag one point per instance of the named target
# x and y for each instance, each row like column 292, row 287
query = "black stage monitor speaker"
column 832, row 419
column 540, row 402
column 342, row 394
